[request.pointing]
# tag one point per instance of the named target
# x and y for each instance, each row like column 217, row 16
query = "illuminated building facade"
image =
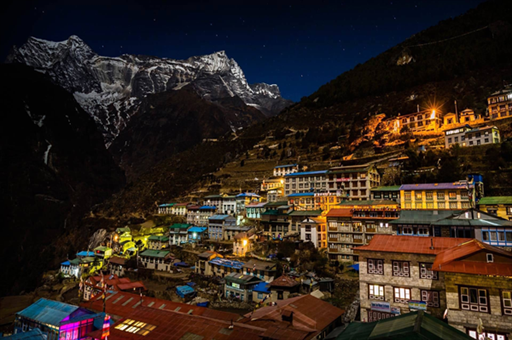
column 500, row 104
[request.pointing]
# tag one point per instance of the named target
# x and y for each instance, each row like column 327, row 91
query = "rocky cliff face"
column 54, row 169
column 110, row 89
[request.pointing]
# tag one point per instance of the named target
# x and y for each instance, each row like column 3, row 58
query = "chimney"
column 456, row 113
column 287, row 316
column 418, row 108
column 432, row 243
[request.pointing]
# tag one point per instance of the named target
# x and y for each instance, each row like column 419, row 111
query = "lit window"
column 376, row 292
column 136, row 327
column 402, row 294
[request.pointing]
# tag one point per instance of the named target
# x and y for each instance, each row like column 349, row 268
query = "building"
column 253, row 211
column 230, row 232
column 386, row 193
column 197, row 234
column 282, row 170
column 261, row 293
column 156, row 259
column 313, row 229
column 499, row 104
column 478, row 280
column 242, row 243
column 102, row 252
column 58, row 320
column 421, row 121
column 420, row 223
column 497, row 205
column 202, row 265
column 282, row 287
column 158, row 242
column 217, row 225
column 354, row 223
column 221, row 267
column 437, row 196
column 118, row 265
column 303, row 312
column 240, row 286
column 467, row 116
column 94, row 286
column 165, row 209
column 205, row 212
column 450, row 119
column 302, row 201
column 226, row 204
column 301, row 182
column 456, row 136
column 244, row 199
column 414, row 325
column 193, row 214
column 264, row 270
column 274, row 221
column 178, row 233
column 353, row 182
column 482, row 136
column 274, row 188
column 396, row 277
column 296, row 217
column 179, row 209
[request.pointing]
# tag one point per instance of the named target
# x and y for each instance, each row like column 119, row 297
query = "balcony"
column 332, row 229
column 371, row 230
column 358, row 241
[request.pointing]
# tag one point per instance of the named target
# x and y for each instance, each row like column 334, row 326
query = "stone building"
column 239, row 286
column 263, row 269
column 478, row 280
column 178, row 233
column 500, row 104
column 353, row 182
column 282, row 287
column 202, row 264
column 301, row 182
column 312, row 229
column 497, row 205
column 396, row 277
column 156, row 259
column 282, row 170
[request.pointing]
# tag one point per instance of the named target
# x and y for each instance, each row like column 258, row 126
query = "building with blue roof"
column 185, row 292
column 221, row 267
column 84, row 253
column 217, row 224
column 165, row 209
column 58, row 320
column 203, row 214
column 282, row 170
column 260, row 292
column 302, row 182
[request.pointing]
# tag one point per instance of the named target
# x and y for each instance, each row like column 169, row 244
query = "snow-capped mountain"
column 110, row 88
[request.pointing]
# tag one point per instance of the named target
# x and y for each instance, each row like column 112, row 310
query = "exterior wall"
column 494, row 321
column 482, row 137
column 274, row 294
column 164, row 210
column 258, row 297
column 204, row 215
column 500, row 105
column 157, row 245
column 228, row 206
column 385, row 195
column 193, row 217
column 155, row 263
column 239, row 249
column 243, row 294
column 409, row 201
column 116, row 269
column 203, row 267
column 353, row 184
column 456, row 136
column 222, row 271
column 304, row 183
column 176, row 238
column 286, row 170
column 500, row 210
column 413, row 282
column 421, row 121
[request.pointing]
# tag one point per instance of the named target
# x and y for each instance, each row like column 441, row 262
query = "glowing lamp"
column 194, row 235
column 433, row 115
column 244, row 242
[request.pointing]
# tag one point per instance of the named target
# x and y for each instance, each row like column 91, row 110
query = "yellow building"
column 500, row 206
column 437, row 196
column 500, row 104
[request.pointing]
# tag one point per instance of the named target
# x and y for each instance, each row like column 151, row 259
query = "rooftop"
column 386, row 188
column 118, row 260
column 456, row 260
column 48, row 311
column 248, row 194
column 241, row 278
column 423, row 216
column 208, row 207
column 302, row 194
column 415, row 325
column 436, row 186
column 155, row 253
column 306, row 213
column 368, row 202
column 285, row 166
column 179, row 226
column 283, row 281
column 307, row 173
column 495, row 200
column 261, row 288
column 227, row 263
column 276, row 204
column 197, row 229
column 158, row 238
column 218, row 217
column 260, row 265
column 340, row 212
column 411, row 244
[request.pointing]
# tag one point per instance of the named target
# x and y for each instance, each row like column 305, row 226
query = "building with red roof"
column 478, row 280
column 282, row 287
column 95, row 285
column 396, row 276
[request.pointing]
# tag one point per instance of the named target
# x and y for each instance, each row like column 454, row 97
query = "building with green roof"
column 391, row 192
column 411, row 326
column 157, row 259
column 178, row 233
column 497, row 205
column 158, row 242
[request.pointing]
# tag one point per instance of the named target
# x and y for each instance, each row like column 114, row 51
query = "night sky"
column 295, row 44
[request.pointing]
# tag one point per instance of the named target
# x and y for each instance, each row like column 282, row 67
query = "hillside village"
column 310, row 249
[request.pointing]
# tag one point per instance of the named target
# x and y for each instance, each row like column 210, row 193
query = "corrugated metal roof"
column 197, row 229
column 338, row 212
column 495, row 200
column 155, row 253
column 218, row 217
column 179, row 226
column 158, row 238
column 387, row 188
column 411, row 244
column 306, row 213
column 307, row 173
column 208, row 207
column 261, row 288
column 436, row 186
column 301, row 194
column 284, row 166
column 227, row 263
column 48, row 311
column 423, row 216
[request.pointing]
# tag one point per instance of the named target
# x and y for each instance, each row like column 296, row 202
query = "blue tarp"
column 48, row 312
column 65, row 263
column 355, row 267
column 191, row 284
column 227, row 263
column 197, row 229
column 184, row 290
column 85, row 253
column 181, row 264
column 261, row 288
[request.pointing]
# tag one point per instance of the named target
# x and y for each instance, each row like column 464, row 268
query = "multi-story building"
column 202, row 264
column 217, row 225
column 179, row 209
column 165, row 209
column 262, row 269
column 240, row 286
column 467, row 116
column 386, row 193
column 297, row 216
column 226, row 204
column 253, row 211
column 282, row 170
column 478, row 280
column 466, row 136
column 222, row 267
column 275, row 222
column 353, row 182
column 437, row 196
column 355, row 224
column 156, row 259
column 197, row 234
column 326, row 200
column 178, row 233
column 158, row 242
column 230, row 232
column 302, row 201
column 396, row 276
column 193, row 214
column 301, row 182
column 313, row 229
column 497, row 205
column 420, row 223
column 422, row 121
column 205, row 212
column 500, row 104
column 273, row 187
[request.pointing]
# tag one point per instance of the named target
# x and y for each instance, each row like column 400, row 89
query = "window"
column 441, row 205
column 407, row 195
column 376, row 292
column 490, row 258
column 418, row 195
column 440, row 196
column 452, row 195
column 506, row 302
column 426, row 271
column 453, row 205
column 137, row 327
column 486, row 335
column 401, row 268
column 260, row 295
column 431, row 297
column 280, row 295
column 474, row 299
column 402, row 295
column 430, row 195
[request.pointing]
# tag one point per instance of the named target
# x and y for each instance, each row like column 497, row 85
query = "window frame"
column 400, row 299
column 423, row 266
column 401, row 265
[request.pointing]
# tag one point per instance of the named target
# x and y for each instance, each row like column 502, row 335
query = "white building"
column 282, row 170
column 472, row 137
column 314, row 230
